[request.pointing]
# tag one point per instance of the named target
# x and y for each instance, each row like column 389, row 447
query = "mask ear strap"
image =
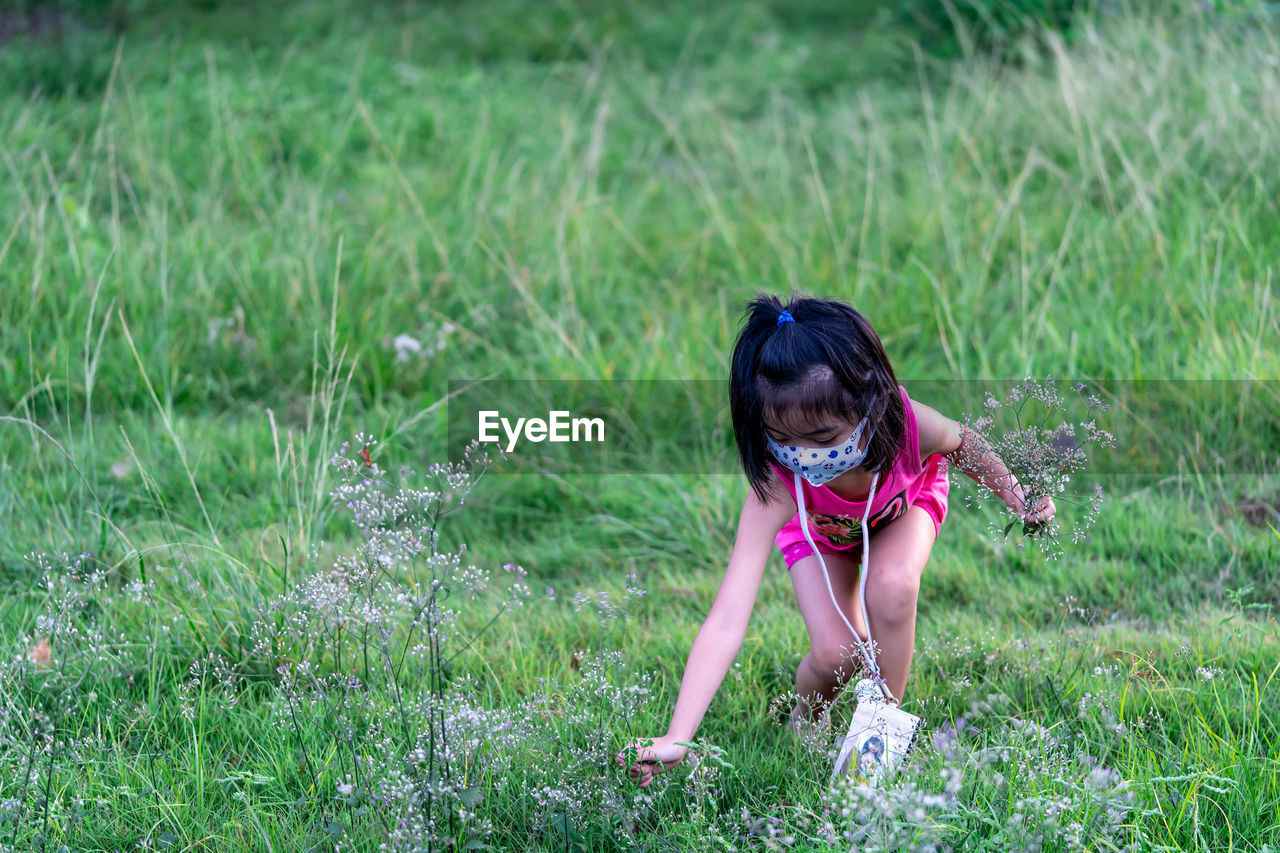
column 866, row 648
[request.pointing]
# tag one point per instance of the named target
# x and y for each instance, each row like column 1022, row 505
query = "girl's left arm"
column 973, row 455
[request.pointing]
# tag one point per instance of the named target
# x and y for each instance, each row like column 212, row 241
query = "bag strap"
column 867, row 653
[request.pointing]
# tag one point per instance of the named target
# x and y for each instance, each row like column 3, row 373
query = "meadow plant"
column 46, row 684
column 988, row 774
column 362, row 652
column 567, row 772
column 359, row 653
column 992, row 776
column 706, row 763
column 1041, row 456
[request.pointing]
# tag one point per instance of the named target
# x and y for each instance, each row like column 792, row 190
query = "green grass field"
column 215, row 222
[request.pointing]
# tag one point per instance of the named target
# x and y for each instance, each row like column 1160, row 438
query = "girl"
column 815, row 402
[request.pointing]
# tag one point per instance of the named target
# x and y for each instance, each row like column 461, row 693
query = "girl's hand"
column 1039, row 515
column 647, row 762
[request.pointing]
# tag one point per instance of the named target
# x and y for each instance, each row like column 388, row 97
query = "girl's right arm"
column 719, row 638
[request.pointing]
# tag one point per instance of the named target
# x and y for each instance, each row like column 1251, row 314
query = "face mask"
column 819, row 465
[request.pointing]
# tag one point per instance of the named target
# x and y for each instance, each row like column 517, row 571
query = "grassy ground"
column 209, row 243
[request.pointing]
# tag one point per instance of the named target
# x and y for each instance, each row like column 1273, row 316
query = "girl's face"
column 821, row 450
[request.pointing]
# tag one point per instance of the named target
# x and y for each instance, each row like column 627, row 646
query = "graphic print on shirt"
column 847, row 530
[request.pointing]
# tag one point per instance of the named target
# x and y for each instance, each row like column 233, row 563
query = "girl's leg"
column 819, row 675
column 899, row 553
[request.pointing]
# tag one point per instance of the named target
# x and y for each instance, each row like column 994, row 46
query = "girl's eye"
column 808, row 440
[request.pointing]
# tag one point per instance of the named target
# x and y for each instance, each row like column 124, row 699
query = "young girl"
column 815, row 402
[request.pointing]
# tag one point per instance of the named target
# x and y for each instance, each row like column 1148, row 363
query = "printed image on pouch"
column 880, row 736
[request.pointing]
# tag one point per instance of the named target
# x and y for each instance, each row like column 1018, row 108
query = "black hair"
column 828, row 362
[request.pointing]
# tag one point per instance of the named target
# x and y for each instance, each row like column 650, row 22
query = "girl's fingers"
column 641, row 767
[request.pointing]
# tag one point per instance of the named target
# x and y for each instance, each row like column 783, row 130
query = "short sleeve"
column 912, row 465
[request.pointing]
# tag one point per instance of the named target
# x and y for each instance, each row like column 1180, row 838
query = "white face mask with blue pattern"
column 819, row 465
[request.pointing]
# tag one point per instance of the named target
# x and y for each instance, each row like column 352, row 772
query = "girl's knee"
column 895, row 596
column 831, row 660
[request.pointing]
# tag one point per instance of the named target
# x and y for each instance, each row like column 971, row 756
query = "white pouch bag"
column 880, row 737
column 881, row 734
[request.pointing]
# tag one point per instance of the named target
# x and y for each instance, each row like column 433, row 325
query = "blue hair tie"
column 785, row 317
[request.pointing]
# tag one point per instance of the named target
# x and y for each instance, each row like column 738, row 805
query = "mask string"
column 867, row 653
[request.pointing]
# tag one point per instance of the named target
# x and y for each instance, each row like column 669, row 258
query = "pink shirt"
column 836, row 523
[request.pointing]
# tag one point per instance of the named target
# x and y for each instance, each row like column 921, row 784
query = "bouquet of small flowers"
column 1033, row 459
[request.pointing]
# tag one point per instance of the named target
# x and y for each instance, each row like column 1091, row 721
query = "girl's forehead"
column 817, row 399
column 793, row 422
